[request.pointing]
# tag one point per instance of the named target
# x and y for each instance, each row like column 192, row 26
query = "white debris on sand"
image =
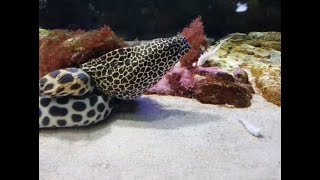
column 251, row 128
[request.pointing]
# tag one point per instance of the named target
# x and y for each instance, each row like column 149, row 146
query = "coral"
column 162, row 87
column 60, row 49
column 186, row 79
column 190, row 58
column 181, row 82
column 177, row 82
column 196, row 37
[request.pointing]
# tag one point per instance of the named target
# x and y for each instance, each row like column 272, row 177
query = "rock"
column 43, row 33
column 241, row 76
column 254, row 53
column 213, row 91
column 266, row 44
column 267, row 36
column 268, row 80
column 206, row 84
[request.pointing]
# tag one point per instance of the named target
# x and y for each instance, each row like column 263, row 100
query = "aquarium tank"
column 159, row 89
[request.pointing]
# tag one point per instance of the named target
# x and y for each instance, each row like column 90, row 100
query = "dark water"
column 148, row 19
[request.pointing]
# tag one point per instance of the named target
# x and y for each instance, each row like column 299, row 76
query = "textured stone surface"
column 206, row 84
column 268, row 80
column 214, row 91
column 259, row 54
column 267, row 36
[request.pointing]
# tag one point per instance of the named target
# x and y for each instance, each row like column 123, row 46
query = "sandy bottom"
column 167, row 137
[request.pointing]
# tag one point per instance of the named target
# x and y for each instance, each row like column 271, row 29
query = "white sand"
column 168, row 138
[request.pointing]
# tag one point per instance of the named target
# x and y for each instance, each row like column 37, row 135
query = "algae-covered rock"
column 258, row 53
column 43, row 33
column 241, row 76
column 268, row 81
column 266, row 44
column 267, row 36
column 206, row 84
column 221, row 90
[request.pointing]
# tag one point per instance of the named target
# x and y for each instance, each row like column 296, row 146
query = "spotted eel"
column 85, row 95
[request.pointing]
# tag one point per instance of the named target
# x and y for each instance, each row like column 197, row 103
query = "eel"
column 85, row 95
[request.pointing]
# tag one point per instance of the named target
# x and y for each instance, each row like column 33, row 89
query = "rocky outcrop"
column 259, row 54
column 206, row 84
